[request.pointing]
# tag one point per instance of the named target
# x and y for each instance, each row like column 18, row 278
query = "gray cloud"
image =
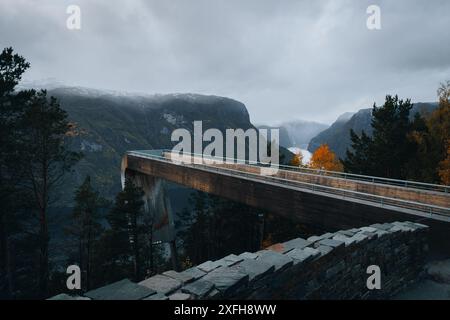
column 284, row 59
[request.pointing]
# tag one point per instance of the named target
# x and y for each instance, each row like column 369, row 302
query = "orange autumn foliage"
column 296, row 160
column 444, row 168
column 439, row 124
column 325, row 159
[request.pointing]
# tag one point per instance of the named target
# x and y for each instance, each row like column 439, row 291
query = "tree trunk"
column 5, row 270
column 88, row 260
column 43, row 257
column 173, row 255
column 137, row 269
column 152, row 266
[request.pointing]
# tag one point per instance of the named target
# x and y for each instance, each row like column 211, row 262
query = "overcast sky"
column 285, row 59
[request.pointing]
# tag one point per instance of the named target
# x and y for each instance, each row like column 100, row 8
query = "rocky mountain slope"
column 108, row 124
column 338, row 135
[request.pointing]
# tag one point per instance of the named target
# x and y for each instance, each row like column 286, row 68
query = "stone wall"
column 330, row 266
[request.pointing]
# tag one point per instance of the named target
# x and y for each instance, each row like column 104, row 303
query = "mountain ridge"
column 337, row 136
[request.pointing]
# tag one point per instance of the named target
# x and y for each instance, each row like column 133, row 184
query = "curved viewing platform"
column 295, row 188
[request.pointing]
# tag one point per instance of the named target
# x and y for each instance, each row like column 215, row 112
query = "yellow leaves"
column 444, row 167
column 439, row 126
column 296, row 160
column 325, row 159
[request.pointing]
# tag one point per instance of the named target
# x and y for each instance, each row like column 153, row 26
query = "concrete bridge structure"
column 329, row 200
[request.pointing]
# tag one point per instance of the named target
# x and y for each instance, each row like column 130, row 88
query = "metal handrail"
column 340, row 175
column 428, row 209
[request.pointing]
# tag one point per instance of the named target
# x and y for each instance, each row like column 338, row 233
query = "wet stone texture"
column 328, row 266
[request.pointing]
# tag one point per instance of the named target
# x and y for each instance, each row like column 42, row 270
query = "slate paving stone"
column 199, row 288
column 398, row 228
column 313, row 239
column 420, row 225
column 157, row 296
column 321, row 237
column 302, row 255
column 384, row 227
column 226, row 279
column 278, row 260
column 227, row 262
column 402, row 226
column 255, row 269
column 347, row 240
column 359, row 237
column 415, row 225
column 183, row 277
column 380, row 233
column 297, row 243
column 180, row 296
column 194, row 272
column 368, row 229
column 120, row 290
column 248, row 255
column 324, row 250
column 209, row 266
column 161, row 284
column 232, row 259
column 370, row 235
column 331, row 243
column 64, row 296
column 347, row 233
column 214, row 294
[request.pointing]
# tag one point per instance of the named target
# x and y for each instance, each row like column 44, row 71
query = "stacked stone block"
column 330, row 266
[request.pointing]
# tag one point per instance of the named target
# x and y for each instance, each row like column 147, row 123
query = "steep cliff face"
column 285, row 140
column 338, row 135
column 108, row 125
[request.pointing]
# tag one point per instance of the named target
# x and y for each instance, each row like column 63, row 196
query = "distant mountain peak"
column 60, row 88
column 345, row 117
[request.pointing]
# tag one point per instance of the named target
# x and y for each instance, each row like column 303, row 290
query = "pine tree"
column 86, row 227
column 388, row 151
column 12, row 204
column 127, row 227
column 360, row 159
column 46, row 159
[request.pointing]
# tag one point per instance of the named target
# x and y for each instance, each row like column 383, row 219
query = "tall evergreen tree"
column 86, row 227
column 47, row 159
column 387, row 152
column 360, row 159
column 12, row 67
column 127, row 227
